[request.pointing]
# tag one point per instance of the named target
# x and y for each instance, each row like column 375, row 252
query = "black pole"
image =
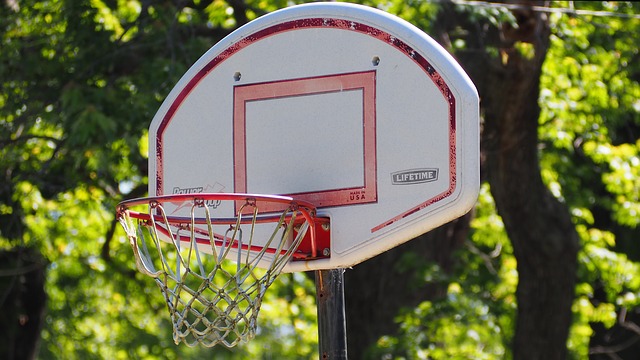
column 332, row 324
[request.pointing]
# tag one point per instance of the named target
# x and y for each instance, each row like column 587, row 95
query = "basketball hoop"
column 215, row 299
column 375, row 125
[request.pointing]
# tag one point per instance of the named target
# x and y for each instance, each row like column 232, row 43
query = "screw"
column 326, row 252
column 237, row 76
column 375, row 61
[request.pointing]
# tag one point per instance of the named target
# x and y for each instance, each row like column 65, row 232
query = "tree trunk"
column 22, row 302
column 539, row 226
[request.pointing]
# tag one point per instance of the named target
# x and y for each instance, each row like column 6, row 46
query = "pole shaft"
column 332, row 324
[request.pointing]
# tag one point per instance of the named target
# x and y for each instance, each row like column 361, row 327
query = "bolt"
column 326, row 252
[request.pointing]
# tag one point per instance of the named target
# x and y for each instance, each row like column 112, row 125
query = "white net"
column 212, row 272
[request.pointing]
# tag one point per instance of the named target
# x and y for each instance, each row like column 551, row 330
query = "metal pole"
column 332, row 324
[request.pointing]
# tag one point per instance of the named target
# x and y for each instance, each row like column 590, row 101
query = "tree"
column 80, row 81
column 544, row 267
column 506, row 54
column 538, row 225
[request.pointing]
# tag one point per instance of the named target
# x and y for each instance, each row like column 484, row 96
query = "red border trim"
column 337, row 24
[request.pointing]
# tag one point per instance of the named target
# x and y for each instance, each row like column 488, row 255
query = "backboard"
column 343, row 106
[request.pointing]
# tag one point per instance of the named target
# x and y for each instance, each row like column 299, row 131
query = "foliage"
column 590, row 127
column 80, row 81
column 589, row 130
column 475, row 318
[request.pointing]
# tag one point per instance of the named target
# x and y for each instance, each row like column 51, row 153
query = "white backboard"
column 344, row 106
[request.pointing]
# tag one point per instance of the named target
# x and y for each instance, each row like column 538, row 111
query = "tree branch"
column 105, row 252
column 239, row 11
column 22, row 139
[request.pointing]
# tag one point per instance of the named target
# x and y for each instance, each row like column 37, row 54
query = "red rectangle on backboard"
column 360, row 186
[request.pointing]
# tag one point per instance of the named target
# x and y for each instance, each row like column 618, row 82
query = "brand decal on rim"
column 414, row 176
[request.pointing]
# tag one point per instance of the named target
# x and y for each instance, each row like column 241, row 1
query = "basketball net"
column 210, row 279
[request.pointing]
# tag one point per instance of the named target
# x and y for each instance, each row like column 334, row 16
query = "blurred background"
column 545, row 267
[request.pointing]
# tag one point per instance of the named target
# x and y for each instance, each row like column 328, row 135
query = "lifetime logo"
column 414, row 176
